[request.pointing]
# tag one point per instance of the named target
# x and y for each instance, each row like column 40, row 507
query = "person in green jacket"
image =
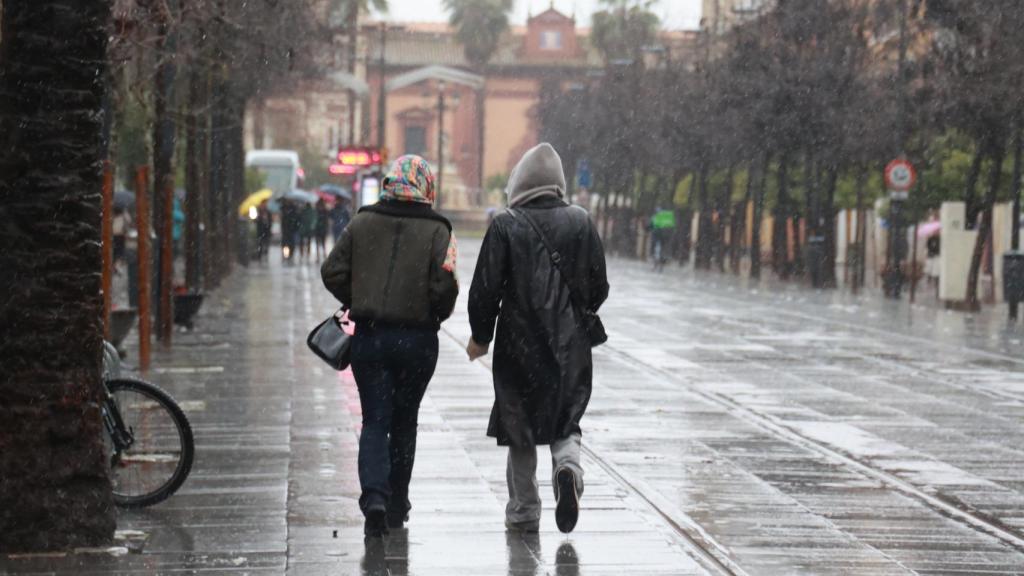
column 394, row 269
column 663, row 226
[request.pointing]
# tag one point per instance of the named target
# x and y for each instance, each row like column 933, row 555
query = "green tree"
column 479, row 26
column 624, row 29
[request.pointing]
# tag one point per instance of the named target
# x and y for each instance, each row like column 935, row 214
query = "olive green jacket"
column 394, row 266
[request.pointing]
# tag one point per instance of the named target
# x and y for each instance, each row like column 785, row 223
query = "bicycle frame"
column 121, row 437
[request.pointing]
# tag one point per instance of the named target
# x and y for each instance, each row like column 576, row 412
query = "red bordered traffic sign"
column 900, row 175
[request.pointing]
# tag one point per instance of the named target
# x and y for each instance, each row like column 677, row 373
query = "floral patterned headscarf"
column 409, row 180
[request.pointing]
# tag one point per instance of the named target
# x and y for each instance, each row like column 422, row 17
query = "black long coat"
column 542, row 358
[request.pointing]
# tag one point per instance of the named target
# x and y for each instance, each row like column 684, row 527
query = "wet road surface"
column 731, row 430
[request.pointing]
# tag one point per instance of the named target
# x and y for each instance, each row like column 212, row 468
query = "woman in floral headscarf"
column 394, row 269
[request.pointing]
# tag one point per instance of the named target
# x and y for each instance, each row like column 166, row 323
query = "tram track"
column 956, row 511
column 695, row 539
column 692, row 538
column 702, row 546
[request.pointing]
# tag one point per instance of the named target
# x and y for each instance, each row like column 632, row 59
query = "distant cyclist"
column 663, row 225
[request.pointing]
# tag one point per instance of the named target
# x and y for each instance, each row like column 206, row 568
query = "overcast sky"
column 675, row 14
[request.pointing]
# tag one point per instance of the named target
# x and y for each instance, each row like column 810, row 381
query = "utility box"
column 1013, row 276
column 957, row 249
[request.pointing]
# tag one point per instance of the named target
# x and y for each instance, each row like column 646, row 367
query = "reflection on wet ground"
column 729, row 432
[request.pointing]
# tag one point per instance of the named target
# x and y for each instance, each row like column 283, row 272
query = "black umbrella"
column 337, row 191
column 124, row 199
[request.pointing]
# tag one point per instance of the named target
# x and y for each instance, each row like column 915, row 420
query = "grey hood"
column 539, row 173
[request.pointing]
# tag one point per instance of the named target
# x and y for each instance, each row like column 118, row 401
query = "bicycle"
column 658, row 255
column 148, row 437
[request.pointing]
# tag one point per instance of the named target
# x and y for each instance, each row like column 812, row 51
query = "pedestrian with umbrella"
column 320, row 229
column 307, row 227
column 340, row 214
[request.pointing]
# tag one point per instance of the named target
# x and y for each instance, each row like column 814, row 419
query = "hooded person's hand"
column 474, row 350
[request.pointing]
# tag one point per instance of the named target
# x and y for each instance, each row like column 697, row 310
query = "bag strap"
column 556, row 260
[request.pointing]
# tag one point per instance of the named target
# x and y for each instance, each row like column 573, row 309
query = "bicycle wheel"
column 159, row 451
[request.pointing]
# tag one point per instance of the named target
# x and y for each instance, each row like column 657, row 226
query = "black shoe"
column 567, row 511
column 397, row 521
column 376, row 523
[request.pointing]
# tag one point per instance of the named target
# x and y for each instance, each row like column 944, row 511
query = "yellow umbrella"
column 254, row 200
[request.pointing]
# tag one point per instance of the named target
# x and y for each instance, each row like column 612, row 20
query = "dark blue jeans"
column 392, row 367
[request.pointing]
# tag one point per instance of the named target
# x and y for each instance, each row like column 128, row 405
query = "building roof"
column 417, row 44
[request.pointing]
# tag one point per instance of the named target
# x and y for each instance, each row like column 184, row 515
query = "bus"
column 280, row 169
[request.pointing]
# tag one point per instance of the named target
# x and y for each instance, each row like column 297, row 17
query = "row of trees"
column 182, row 75
column 160, row 83
column 796, row 113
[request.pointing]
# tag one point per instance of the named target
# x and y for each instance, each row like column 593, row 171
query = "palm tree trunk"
column 55, row 489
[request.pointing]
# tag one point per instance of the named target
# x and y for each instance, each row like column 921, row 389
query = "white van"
column 280, row 169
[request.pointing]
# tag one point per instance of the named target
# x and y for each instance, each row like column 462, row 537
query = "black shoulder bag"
column 330, row 342
column 589, row 321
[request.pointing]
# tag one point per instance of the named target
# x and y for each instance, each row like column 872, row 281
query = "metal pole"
column 145, row 271
column 896, row 207
column 440, row 142
column 107, row 244
column 382, row 140
column 901, row 71
column 1015, row 186
column 896, row 213
column 913, row 267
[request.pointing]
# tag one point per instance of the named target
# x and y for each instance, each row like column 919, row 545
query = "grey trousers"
column 521, row 473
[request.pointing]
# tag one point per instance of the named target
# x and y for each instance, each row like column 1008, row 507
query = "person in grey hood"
column 542, row 355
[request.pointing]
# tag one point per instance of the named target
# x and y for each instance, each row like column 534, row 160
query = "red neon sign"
column 360, row 157
column 341, row 169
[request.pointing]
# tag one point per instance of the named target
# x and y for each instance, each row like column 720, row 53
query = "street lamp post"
column 1018, row 151
column 381, row 92
column 441, row 107
column 440, row 141
column 896, row 205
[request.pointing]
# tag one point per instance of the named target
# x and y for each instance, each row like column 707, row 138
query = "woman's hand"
column 474, row 350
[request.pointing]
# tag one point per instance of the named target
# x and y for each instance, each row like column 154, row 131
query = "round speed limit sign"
column 900, row 175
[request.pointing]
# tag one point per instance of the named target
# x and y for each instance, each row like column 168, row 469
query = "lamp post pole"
column 381, row 92
column 1018, row 150
column 896, row 207
column 440, row 142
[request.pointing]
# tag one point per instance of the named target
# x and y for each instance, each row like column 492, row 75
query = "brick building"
column 420, row 59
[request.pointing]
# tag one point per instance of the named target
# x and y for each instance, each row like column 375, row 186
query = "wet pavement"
column 733, row 430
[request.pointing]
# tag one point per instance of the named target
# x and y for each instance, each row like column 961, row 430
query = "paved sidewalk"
column 274, row 488
column 732, row 431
